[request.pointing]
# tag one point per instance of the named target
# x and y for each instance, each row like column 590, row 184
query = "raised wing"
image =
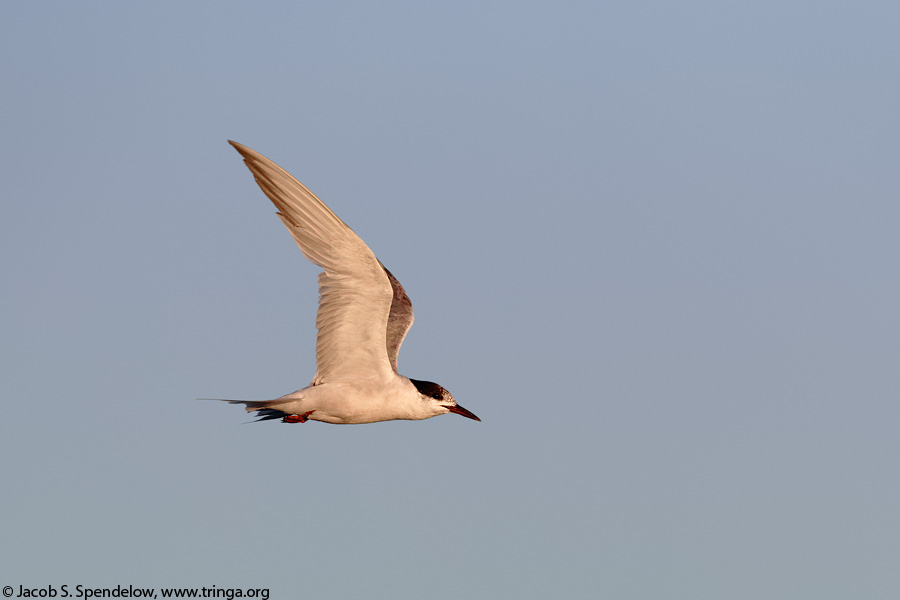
column 355, row 291
column 400, row 319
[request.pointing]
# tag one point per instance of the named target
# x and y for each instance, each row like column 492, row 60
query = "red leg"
column 297, row 418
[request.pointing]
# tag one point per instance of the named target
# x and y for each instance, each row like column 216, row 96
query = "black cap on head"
column 428, row 388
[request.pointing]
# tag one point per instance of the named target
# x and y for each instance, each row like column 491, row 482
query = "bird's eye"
column 436, row 396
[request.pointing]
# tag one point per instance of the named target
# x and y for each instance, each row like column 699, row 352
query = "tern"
column 364, row 314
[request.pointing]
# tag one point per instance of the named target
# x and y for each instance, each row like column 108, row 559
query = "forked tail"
column 264, row 409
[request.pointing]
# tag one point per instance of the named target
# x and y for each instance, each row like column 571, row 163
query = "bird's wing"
column 356, row 293
column 400, row 319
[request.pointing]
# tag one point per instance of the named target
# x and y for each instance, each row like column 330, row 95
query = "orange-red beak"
column 461, row 411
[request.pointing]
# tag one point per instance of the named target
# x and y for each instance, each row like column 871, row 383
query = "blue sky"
column 653, row 246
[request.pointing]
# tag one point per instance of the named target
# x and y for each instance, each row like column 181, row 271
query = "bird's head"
column 441, row 400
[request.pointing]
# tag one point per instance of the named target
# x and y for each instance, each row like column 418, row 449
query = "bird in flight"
column 364, row 314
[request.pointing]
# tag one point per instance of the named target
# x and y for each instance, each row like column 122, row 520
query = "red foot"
column 297, row 418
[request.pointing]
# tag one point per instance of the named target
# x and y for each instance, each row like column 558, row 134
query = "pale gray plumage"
column 363, row 317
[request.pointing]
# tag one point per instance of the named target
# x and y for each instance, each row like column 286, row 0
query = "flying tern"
column 364, row 314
